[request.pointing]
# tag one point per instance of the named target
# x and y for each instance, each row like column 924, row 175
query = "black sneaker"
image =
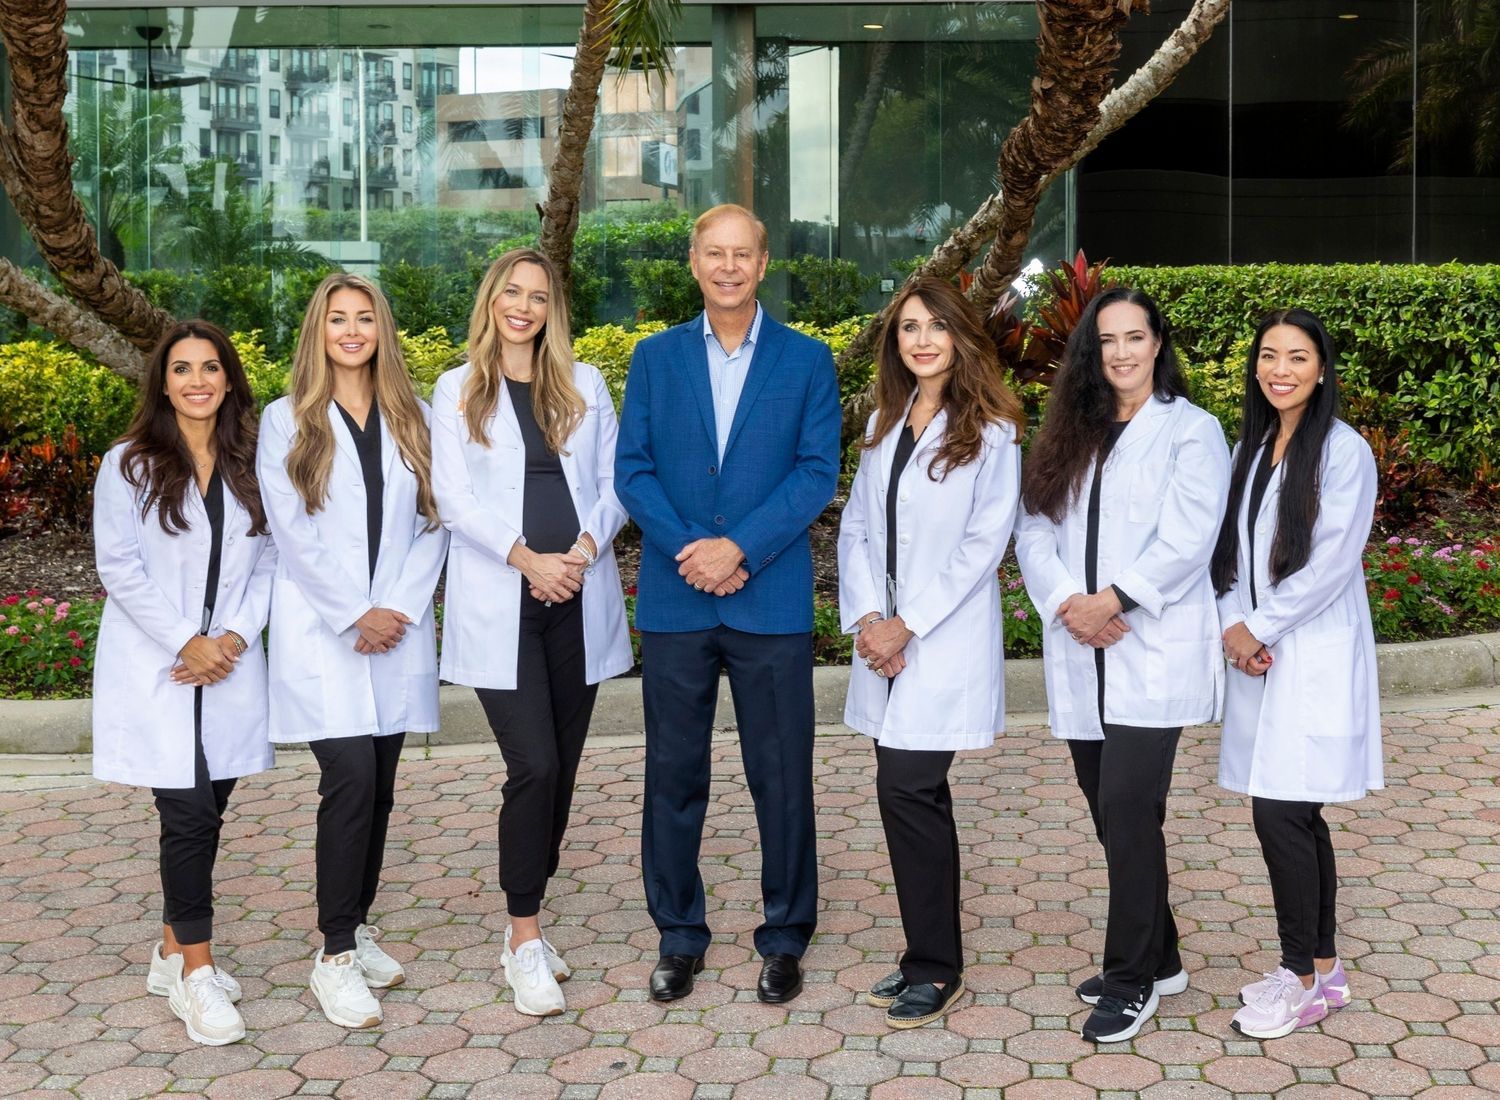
column 1114, row 1020
column 1091, row 989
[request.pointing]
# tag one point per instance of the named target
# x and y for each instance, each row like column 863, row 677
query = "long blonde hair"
column 309, row 463
column 555, row 400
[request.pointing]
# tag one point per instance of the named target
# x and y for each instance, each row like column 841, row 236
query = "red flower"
column 78, row 643
column 33, row 591
column 1391, row 595
column 25, row 639
column 11, row 601
column 57, row 664
column 1413, row 578
column 75, row 661
column 1482, row 565
column 630, row 591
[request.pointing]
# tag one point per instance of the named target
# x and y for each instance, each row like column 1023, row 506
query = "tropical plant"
column 1454, row 66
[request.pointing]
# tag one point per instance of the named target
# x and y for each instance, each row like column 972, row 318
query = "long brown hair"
column 974, row 393
column 1083, row 405
column 555, row 401
column 156, row 460
column 309, row 463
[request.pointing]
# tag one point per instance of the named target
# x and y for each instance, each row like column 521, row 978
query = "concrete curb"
column 1406, row 668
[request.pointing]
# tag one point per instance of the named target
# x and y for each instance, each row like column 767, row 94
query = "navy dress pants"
column 770, row 678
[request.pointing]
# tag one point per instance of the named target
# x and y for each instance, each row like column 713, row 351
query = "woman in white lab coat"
column 1121, row 503
column 345, row 470
column 179, row 673
column 1302, row 710
column 523, row 470
column 927, row 522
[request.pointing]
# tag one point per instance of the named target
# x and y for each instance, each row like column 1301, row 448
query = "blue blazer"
column 779, row 472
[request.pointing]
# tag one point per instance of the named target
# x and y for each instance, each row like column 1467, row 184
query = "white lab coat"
column 1309, row 729
column 143, row 721
column 952, row 534
column 1161, row 500
column 480, row 493
column 320, row 687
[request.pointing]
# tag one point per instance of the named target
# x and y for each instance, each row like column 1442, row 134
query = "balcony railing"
column 306, row 74
column 318, row 171
column 382, row 176
column 379, row 88
column 235, row 116
column 311, row 121
column 241, row 67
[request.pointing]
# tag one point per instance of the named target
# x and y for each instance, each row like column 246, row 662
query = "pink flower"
column 1394, row 540
column 13, row 629
column 33, row 606
column 65, row 606
column 1413, row 542
column 48, row 601
column 1020, row 613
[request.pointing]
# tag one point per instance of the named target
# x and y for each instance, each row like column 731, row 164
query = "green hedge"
column 1419, row 346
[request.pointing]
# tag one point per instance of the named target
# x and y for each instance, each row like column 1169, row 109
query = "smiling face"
column 520, row 307
column 925, row 344
column 1288, row 367
column 1127, row 352
column 728, row 263
column 196, row 383
column 349, row 336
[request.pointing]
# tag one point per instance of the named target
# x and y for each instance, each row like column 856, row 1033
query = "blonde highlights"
column 309, row 462
column 555, row 400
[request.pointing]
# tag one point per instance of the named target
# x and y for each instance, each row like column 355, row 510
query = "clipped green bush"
column 609, row 347
column 44, row 387
column 664, row 290
column 824, row 291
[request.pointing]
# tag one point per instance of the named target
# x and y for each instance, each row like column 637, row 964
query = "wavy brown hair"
column 555, row 401
column 974, row 392
column 156, row 460
column 309, row 463
column 1083, row 405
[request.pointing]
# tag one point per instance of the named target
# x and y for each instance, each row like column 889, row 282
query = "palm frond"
column 642, row 35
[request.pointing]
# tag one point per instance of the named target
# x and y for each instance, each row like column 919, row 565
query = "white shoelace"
column 223, row 981
column 209, row 992
column 1280, row 982
column 533, row 960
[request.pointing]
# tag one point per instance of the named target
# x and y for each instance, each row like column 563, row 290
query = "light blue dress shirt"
column 726, row 375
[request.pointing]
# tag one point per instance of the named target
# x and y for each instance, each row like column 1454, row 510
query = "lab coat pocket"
column 1329, row 682
column 1148, row 485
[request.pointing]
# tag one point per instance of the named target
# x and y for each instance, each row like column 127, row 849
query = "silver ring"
column 880, row 672
column 546, row 603
column 699, row 587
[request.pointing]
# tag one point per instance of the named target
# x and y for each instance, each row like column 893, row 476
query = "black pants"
column 540, row 727
column 357, row 790
column 1304, row 882
column 191, row 818
column 770, row 677
column 1125, row 779
column 916, row 809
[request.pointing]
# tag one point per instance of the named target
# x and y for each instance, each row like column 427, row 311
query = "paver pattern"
column 1420, row 933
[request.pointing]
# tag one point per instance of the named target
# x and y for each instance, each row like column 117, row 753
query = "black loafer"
column 884, row 992
column 780, row 979
column 672, row 979
column 921, row 1004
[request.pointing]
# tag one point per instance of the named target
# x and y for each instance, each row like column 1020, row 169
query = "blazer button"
column 719, row 521
column 712, row 470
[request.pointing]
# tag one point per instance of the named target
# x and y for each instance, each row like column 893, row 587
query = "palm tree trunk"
column 36, row 171
column 1079, row 44
column 565, row 185
column 78, row 326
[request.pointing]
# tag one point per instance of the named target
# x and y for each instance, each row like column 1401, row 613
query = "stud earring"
column 1320, row 379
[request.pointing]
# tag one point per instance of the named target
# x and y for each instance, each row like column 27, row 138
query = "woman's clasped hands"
column 206, row 660
column 380, row 630
column 881, row 644
column 1245, row 652
column 1093, row 620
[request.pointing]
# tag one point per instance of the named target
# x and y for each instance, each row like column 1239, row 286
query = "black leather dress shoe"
column 780, row 979
column 672, row 979
column 884, row 992
column 921, row 1004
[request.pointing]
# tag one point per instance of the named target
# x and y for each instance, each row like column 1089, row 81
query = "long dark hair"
column 974, row 393
column 1297, row 511
column 1082, row 406
column 156, row 459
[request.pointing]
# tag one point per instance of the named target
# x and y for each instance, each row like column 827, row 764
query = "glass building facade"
column 1307, row 130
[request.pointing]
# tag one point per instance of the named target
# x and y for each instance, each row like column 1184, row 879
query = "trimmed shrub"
column 609, row 347
column 45, row 387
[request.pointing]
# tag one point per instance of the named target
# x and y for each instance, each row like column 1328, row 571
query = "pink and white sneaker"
column 1335, row 986
column 1279, row 1007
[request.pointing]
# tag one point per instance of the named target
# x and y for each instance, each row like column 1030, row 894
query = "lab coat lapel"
column 931, row 440
column 1142, row 428
column 763, row 359
column 341, row 437
column 885, row 454
column 504, row 419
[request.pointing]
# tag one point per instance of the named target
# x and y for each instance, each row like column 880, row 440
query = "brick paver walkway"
column 1421, row 883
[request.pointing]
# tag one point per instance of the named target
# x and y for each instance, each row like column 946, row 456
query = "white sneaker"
column 380, row 970
column 561, row 972
column 202, row 1003
column 163, row 975
column 342, row 992
column 1280, row 1007
column 530, row 976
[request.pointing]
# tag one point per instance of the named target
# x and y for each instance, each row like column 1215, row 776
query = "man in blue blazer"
column 728, row 450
